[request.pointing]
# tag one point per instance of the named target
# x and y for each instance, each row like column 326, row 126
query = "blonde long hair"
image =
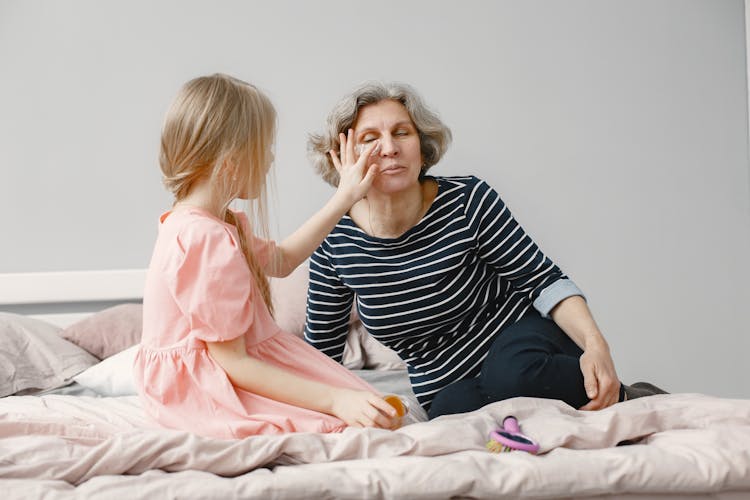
column 216, row 126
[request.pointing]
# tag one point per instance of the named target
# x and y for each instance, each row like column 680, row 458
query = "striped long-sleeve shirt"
column 438, row 294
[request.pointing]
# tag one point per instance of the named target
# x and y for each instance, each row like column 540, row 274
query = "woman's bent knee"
column 459, row 397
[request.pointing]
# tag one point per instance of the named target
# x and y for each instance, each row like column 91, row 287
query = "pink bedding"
column 687, row 444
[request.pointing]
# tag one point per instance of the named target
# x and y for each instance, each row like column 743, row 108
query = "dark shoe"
column 649, row 387
column 642, row 389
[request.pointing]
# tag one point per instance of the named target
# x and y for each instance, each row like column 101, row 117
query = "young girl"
column 212, row 361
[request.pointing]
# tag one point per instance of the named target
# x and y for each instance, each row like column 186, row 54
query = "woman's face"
column 399, row 160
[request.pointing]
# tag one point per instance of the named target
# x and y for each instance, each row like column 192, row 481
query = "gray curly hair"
column 434, row 135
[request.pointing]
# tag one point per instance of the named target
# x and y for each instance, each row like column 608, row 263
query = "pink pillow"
column 109, row 331
column 289, row 297
column 363, row 351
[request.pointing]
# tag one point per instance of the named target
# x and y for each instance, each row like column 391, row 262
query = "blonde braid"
column 261, row 280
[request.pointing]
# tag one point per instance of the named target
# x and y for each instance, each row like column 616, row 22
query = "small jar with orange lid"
column 401, row 406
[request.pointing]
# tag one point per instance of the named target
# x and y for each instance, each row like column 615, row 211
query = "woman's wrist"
column 343, row 199
column 595, row 340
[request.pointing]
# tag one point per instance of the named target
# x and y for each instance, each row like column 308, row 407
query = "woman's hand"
column 355, row 174
column 599, row 378
column 355, row 179
column 363, row 409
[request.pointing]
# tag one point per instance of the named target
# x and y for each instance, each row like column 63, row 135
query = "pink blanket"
column 686, row 443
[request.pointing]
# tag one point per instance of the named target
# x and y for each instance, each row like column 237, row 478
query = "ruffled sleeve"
column 211, row 283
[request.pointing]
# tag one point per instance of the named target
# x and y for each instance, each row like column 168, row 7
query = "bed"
column 70, row 425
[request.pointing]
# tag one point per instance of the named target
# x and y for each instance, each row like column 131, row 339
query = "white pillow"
column 113, row 376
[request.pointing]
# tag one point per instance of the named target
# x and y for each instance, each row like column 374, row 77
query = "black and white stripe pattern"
column 439, row 293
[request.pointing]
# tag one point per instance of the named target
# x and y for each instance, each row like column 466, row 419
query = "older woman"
column 444, row 275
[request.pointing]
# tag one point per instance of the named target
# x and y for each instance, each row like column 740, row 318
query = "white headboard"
column 63, row 298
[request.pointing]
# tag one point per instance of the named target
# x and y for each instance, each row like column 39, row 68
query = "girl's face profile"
column 248, row 192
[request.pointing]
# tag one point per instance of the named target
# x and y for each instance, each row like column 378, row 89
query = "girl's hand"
column 355, row 174
column 599, row 378
column 364, row 409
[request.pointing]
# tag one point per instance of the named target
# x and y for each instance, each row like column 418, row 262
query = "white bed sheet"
column 689, row 444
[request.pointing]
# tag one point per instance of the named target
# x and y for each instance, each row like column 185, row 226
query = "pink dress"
column 199, row 289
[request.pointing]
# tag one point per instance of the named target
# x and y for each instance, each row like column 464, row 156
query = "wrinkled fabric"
column 685, row 444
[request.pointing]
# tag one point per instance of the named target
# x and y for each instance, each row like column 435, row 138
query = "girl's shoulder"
column 194, row 227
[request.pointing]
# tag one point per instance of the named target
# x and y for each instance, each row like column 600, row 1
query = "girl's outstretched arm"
column 355, row 179
column 356, row 408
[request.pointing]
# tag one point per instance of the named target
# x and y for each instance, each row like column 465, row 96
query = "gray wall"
column 615, row 130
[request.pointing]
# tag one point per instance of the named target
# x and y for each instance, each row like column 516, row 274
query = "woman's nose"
column 388, row 146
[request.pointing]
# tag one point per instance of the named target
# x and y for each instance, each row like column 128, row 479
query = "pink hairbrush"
column 509, row 438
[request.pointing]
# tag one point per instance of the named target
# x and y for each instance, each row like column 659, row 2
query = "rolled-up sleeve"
column 554, row 294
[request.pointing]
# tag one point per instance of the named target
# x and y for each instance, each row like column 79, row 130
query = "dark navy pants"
column 532, row 357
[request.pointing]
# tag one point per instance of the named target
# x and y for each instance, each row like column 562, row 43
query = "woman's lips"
column 392, row 169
